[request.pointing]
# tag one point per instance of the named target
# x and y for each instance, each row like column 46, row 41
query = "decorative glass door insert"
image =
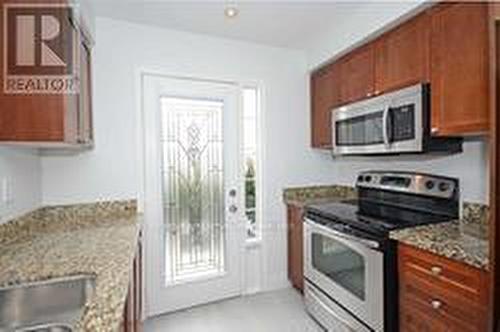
column 193, row 188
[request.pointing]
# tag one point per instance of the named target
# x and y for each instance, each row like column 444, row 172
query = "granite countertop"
column 92, row 239
column 301, row 196
column 464, row 240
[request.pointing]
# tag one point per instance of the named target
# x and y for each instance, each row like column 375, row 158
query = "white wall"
column 470, row 167
column 22, row 169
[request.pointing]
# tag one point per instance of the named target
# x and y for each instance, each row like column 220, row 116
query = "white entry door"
column 195, row 227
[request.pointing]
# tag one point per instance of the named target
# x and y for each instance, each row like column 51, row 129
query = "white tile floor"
column 278, row 311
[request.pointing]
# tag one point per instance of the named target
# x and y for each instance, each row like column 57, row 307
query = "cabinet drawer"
column 416, row 317
column 458, row 278
column 443, row 304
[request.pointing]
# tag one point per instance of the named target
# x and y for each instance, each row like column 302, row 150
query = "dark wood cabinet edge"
column 322, row 146
column 494, row 29
column 380, row 92
column 466, row 130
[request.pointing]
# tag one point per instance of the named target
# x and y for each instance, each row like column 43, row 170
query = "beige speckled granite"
column 301, row 196
column 462, row 240
column 97, row 239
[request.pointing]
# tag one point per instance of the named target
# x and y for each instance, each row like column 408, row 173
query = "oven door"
column 350, row 270
column 390, row 123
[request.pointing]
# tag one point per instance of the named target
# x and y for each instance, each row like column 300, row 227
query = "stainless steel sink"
column 49, row 306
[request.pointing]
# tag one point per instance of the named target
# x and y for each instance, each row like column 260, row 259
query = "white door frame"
column 148, row 152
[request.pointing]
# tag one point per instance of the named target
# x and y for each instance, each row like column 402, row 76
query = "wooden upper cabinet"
column 459, row 69
column 402, row 55
column 49, row 118
column 446, row 45
column 325, row 94
column 357, row 70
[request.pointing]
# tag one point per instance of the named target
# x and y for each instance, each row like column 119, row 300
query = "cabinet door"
column 439, row 294
column 325, row 93
column 41, row 119
column 412, row 319
column 295, row 247
column 402, row 55
column 459, row 73
column 357, row 70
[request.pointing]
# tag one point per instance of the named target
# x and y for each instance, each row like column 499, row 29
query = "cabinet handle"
column 436, row 305
column 436, row 270
column 434, row 130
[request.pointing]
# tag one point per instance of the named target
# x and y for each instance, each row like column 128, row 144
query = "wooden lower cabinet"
column 438, row 294
column 295, row 247
column 133, row 307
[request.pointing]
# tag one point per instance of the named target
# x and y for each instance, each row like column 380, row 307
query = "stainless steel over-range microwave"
column 393, row 123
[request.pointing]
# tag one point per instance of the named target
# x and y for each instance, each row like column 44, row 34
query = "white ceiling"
column 290, row 24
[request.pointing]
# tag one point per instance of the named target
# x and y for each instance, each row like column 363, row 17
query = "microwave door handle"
column 367, row 243
column 388, row 130
column 385, row 133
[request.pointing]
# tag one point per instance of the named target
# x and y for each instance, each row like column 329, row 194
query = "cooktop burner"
column 375, row 217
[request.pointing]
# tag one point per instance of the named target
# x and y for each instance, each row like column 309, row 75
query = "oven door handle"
column 366, row 242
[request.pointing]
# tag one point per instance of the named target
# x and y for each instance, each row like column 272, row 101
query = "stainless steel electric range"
column 350, row 262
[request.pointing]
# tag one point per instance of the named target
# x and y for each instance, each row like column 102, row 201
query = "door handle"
column 366, row 242
column 233, row 208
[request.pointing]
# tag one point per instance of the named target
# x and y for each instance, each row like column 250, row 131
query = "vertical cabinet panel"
column 132, row 314
column 325, row 95
column 402, row 55
column 295, row 247
column 357, row 70
column 459, row 72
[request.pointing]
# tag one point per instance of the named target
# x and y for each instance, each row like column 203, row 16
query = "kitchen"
column 87, row 199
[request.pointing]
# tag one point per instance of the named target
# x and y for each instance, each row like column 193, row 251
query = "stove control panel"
column 408, row 182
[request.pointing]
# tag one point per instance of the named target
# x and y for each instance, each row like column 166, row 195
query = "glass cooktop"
column 374, row 216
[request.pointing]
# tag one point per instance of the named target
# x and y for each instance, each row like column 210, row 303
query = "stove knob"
column 429, row 184
column 443, row 186
column 368, row 178
column 360, row 178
